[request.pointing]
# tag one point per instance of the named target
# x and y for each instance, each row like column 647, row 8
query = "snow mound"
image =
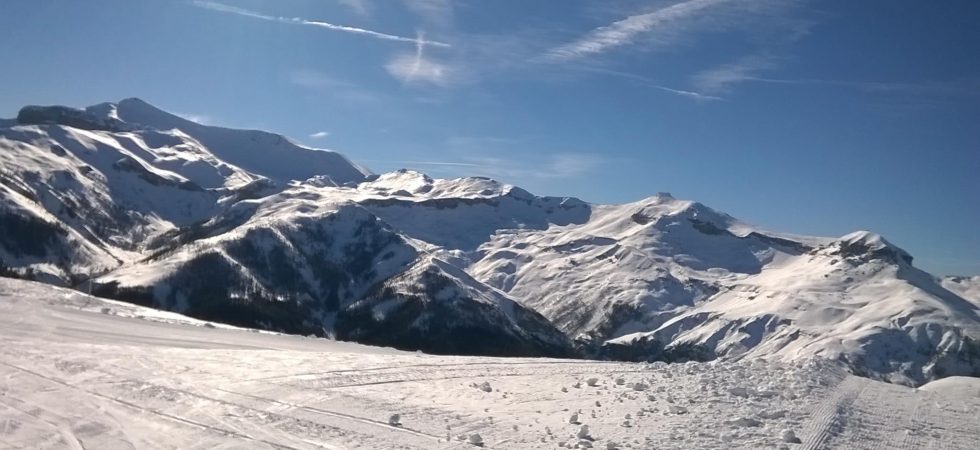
column 963, row 387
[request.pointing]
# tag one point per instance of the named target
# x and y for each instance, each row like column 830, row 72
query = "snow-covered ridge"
column 249, row 228
column 266, row 154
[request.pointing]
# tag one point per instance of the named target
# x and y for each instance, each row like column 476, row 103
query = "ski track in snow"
column 863, row 414
column 73, row 377
column 830, row 416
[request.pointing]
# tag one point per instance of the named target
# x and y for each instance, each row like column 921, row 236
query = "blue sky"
column 810, row 117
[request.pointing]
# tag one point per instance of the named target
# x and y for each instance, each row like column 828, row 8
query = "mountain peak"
column 867, row 244
column 135, row 101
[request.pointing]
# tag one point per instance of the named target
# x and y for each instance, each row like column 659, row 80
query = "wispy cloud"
column 650, row 83
column 770, row 25
column 221, row 7
column 319, row 135
column 628, row 30
column 723, row 78
column 689, row 94
column 720, row 79
column 417, row 68
column 202, row 119
column 968, row 88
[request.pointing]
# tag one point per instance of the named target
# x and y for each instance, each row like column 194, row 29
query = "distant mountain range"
column 247, row 227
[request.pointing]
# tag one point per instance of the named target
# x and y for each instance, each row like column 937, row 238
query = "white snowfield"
column 81, row 372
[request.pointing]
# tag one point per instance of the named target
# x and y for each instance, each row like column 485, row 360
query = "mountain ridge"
column 134, row 203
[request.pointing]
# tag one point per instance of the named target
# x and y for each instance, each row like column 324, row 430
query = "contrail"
column 419, row 45
column 221, row 7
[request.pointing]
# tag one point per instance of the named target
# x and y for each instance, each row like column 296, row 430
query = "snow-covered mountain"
column 112, row 200
column 857, row 299
column 267, row 154
column 246, row 227
column 303, row 261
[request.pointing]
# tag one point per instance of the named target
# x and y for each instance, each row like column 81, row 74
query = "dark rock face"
column 787, row 244
column 25, row 237
column 72, row 117
column 28, row 236
column 211, row 288
column 648, row 349
column 708, row 228
column 861, row 251
column 428, row 309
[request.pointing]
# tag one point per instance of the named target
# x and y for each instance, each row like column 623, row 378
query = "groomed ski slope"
column 79, row 372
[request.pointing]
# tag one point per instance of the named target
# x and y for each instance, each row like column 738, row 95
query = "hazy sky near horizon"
column 807, row 117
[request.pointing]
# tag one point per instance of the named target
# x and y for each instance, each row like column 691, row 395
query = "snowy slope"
column 120, row 173
column 259, row 152
column 301, row 262
column 82, row 372
column 629, row 267
column 101, row 193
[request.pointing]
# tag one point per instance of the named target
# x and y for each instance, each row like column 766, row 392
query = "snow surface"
column 963, row 387
column 83, row 372
column 966, row 287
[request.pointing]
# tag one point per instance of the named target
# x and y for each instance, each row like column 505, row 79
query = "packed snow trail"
column 866, row 414
column 80, row 372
